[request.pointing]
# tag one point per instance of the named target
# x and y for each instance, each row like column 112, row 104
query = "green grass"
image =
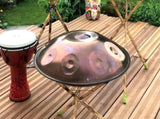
column 28, row 12
column 25, row 13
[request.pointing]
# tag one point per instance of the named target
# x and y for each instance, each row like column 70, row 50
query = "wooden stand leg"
column 75, row 107
column 60, row 18
column 116, row 32
column 134, row 9
column 124, row 21
column 61, row 111
column 125, row 89
column 135, row 46
column 76, row 103
column 76, row 99
column 43, row 27
column 92, row 110
column 81, row 97
column 116, row 9
column 48, row 19
column 50, row 22
column 125, row 75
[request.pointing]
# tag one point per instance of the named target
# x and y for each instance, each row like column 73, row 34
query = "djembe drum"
column 17, row 48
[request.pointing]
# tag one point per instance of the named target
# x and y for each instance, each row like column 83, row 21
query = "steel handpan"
column 82, row 58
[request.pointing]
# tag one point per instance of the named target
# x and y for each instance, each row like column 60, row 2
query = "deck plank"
column 136, row 90
column 114, row 87
column 140, row 38
column 38, row 95
column 137, row 27
column 68, row 114
column 151, row 44
column 150, row 103
column 34, row 83
column 4, row 72
column 158, row 114
column 47, row 97
column 6, row 83
column 107, row 96
column 49, row 105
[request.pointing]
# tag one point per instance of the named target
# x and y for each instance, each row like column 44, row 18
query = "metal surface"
column 82, row 58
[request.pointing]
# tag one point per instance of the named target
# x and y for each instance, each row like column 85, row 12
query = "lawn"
column 25, row 13
column 28, row 12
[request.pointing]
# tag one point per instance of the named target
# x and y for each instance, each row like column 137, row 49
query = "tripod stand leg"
column 135, row 46
column 92, row 110
column 82, row 102
column 75, row 107
column 46, row 20
column 125, row 21
column 134, row 9
column 125, row 89
column 43, row 27
column 60, row 112
column 76, row 102
column 81, row 97
column 116, row 32
column 60, row 18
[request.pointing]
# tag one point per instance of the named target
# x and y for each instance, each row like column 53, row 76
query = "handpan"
column 82, row 58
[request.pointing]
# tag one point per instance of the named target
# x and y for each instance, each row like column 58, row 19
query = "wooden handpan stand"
column 76, row 94
column 78, row 98
column 79, row 59
column 124, row 23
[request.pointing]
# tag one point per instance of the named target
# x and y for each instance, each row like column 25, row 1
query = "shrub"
column 69, row 9
column 148, row 11
column 5, row 4
column 2, row 23
column 108, row 9
column 18, row 1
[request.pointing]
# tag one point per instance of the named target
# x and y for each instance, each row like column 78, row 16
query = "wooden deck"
column 143, row 86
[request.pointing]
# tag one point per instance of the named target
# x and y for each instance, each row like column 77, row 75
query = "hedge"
column 148, row 11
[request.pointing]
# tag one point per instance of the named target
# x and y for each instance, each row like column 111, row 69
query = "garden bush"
column 148, row 11
column 5, row 4
column 3, row 24
column 9, row 3
column 18, row 1
column 69, row 9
